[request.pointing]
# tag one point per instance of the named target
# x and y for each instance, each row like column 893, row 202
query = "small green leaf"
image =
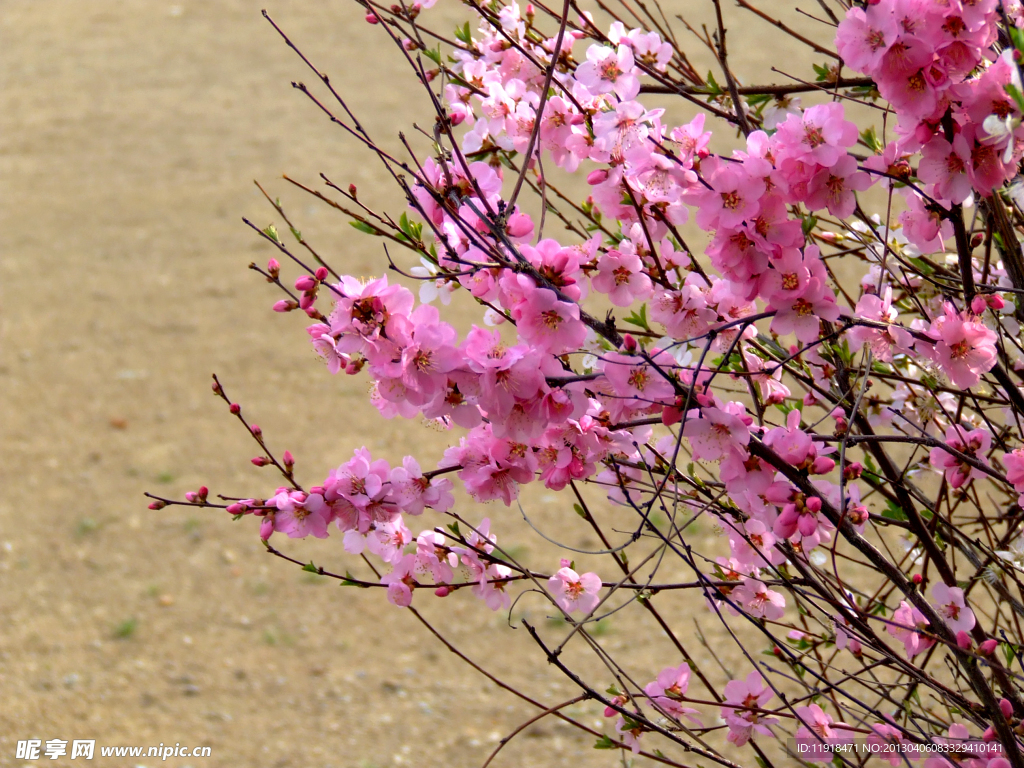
column 580, row 511
column 605, row 743
column 810, row 222
column 309, row 567
column 894, row 511
column 362, row 226
column 463, row 34
column 271, row 232
column 454, row 528
column 296, row 233
column 639, row 320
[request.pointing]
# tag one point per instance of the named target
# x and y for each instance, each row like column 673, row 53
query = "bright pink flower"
column 400, row 581
column 300, row 514
column 863, row 37
column 883, row 342
column 834, row 187
column 819, row 136
column 905, row 621
column 621, row 277
column 819, row 727
column 548, row 324
column 965, row 348
column 974, row 444
column 575, row 592
column 945, row 165
column 716, row 433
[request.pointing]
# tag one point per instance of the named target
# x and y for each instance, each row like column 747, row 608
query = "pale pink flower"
column 949, row 602
column 904, row 625
column 745, row 696
column 575, row 592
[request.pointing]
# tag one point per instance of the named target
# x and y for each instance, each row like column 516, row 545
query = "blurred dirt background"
column 130, row 133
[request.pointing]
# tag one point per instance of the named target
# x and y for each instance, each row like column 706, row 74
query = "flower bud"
column 274, row 268
column 371, row 18
column 285, row 305
column 443, row 591
column 822, row 465
column 409, row 45
column 289, row 460
column 629, row 343
column 977, row 240
column 305, row 283
column 1006, row 708
column 853, row 470
column 577, row 119
column 238, row 508
column 988, row 647
column 260, row 461
column 995, row 301
column 352, row 190
column 597, row 177
column 917, row 578
column 978, row 305
column 989, row 734
column 255, row 429
column 457, row 118
column 203, row 492
column 216, row 387
column 321, row 273
column 158, row 505
column 266, row 527
column 235, row 408
column 191, row 497
column 963, row 641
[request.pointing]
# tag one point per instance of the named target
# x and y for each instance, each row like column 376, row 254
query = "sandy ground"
column 130, row 132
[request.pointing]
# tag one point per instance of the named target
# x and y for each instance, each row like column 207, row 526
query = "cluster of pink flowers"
column 551, row 389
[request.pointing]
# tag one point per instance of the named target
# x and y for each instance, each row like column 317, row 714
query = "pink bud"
column 321, row 273
column 822, row 465
column 597, row 177
column 442, row 591
column 267, row 527
column 289, row 460
column 978, row 305
column 565, row 563
column 995, row 301
column 629, row 343
column 408, row 44
column 158, row 505
column 371, row 18
column 216, row 387
column 255, row 429
column 963, row 641
column 1006, row 708
column 917, row 578
column 813, row 504
column 989, row 734
column 203, row 491
column 577, row 119
column 853, row 470
column 260, row 461
column 191, row 496
column 810, row 399
column 285, row 305
column 530, row 10
column 828, row 237
column 235, row 408
column 307, row 300
column 274, row 267
column 988, row 647
column 352, row 190
column 457, row 118
column 304, row 283
column 237, row 508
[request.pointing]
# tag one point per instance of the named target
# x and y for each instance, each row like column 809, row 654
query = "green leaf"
column 271, row 232
column 580, row 511
column 310, row 567
column 1009, row 652
column 296, row 233
column 349, row 581
column 605, row 743
column 433, row 55
column 463, row 35
column 362, row 226
column 893, row 511
column 870, row 138
column 454, row 528
column 810, row 222
column 716, row 89
column 639, row 320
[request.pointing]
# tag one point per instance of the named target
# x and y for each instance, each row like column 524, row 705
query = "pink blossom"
column 863, row 36
column 400, row 581
column 621, row 277
column 945, row 165
column 669, row 689
column 819, row 727
column 905, row 621
column 834, row 187
column 607, row 70
column 747, row 696
column 974, row 444
column 759, row 601
column 964, row 347
column 949, row 602
column 549, row 324
column 717, row 432
column 575, row 592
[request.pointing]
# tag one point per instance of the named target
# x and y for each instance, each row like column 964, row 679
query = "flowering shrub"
column 836, row 386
